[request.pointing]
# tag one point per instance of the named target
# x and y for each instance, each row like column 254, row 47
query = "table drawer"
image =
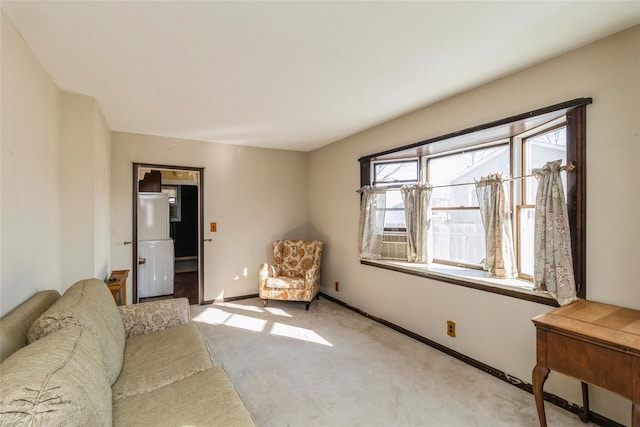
column 591, row 363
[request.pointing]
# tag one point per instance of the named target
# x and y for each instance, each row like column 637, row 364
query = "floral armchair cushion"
column 294, row 257
column 295, row 274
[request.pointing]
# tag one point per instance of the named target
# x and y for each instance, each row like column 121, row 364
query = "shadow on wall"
column 300, row 232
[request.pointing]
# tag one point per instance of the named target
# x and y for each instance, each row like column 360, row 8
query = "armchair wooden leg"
column 307, row 306
column 265, row 302
column 318, row 296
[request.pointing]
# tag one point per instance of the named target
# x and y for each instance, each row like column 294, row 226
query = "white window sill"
column 477, row 279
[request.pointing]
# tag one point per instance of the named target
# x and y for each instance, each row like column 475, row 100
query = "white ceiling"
column 293, row 75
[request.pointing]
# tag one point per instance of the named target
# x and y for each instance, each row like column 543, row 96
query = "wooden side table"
column 597, row 343
column 117, row 284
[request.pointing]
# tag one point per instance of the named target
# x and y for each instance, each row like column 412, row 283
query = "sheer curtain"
column 553, row 262
column 372, row 207
column 417, row 211
column 500, row 260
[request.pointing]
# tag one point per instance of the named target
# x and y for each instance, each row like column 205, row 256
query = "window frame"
column 400, row 182
column 396, row 184
column 519, row 195
column 575, row 112
column 478, row 147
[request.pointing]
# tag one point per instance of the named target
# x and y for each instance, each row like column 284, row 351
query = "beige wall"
column 85, row 152
column 492, row 328
column 76, row 133
column 31, row 226
column 55, row 180
column 255, row 196
column 101, row 194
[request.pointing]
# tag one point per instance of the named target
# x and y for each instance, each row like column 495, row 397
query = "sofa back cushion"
column 89, row 305
column 15, row 325
column 57, row 381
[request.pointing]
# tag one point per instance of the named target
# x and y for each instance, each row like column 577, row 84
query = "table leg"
column 585, row 403
column 539, row 376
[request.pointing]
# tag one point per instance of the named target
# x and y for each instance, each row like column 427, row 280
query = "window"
column 513, row 146
column 393, row 174
column 456, row 225
column 541, row 147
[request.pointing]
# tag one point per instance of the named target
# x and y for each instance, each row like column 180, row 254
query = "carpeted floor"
column 330, row 366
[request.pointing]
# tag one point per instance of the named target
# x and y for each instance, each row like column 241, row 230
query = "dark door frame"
column 134, row 255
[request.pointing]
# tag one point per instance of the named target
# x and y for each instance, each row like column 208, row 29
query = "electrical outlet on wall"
column 451, row 328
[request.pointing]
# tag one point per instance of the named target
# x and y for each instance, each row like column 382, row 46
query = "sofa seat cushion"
column 207, row 398
column 87, row 304
column 56, row 381
column 160, row 358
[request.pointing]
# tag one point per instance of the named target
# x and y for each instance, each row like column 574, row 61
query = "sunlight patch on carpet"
column 216, row 316
column 295, row 332
column 278, row 312
column 212, row 316
column 246, row 322
column 241, row 307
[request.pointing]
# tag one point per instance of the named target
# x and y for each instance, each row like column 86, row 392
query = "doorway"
column 179, row 271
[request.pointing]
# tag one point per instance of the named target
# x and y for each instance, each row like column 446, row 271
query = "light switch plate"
column 214, row 227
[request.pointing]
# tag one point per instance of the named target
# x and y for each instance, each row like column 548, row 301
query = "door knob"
column 142, row 260
column 208, row 240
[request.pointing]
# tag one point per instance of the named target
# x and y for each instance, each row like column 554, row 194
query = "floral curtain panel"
column 553, row 262
column 500, row 259
column 417, row 212
column 372, row 208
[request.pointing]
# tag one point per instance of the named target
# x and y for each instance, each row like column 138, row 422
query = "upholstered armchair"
column 295, row 274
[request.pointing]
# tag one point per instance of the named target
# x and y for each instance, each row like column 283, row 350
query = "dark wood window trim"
column 499, row 129
column 575, row 112
column 577, row 182
column 514, row 293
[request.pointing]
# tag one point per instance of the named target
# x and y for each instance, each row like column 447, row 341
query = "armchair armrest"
column 312, row 275
column 266, row 271
column 154, row 316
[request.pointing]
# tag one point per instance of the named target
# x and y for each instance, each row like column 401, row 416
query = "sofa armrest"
column 15, row 325
column 154, row 316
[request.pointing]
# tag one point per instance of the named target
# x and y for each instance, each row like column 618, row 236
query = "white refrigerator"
column 155, row 246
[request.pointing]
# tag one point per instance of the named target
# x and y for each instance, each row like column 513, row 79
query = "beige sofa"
column 77, row 359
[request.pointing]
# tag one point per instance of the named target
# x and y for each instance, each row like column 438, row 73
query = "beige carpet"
column 330, row 366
